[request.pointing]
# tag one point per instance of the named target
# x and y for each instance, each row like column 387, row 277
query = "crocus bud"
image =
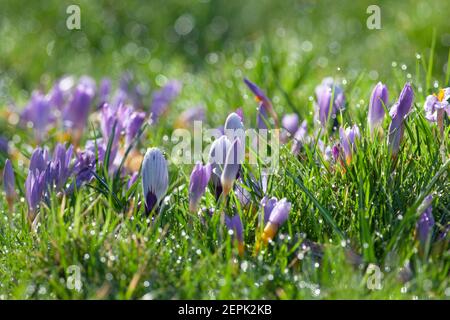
column 378, row 100
column 234, row 128
column 34, row 191
column 155, row 178
column 290, row 123
column 398, row 113
column 348, row 138
column 235, row 224
column 76, row 113
column 197, row 184
column 328, row 94
column 9, row 183
column 162, row 98
column 217, row 156
column 277, row 217
column 233, row 161
column 426, row 222
column 268, row 204
column 39, row 113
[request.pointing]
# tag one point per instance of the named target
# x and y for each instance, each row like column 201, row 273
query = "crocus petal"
column 280, row 212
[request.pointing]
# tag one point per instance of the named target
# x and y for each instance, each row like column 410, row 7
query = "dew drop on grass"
column 146, row 284
column 270, row 277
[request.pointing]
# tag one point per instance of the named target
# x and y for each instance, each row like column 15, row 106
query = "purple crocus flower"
column 425, row 224
column 77, row 111
column 235, row 224
column 155, row 178
column 59, row 169
column 162, row 99
column 133, row 123
column 39, row 113
column 197, row 184
column 233, row 161
column 217, row 156
column 111, row 124
column 234, row 127
column 265, row 106
column 378, row 100
column 9, row 183
column 348, row 141
column 280, row 212
column 398, row 113
column 328, row 94
column 84, row 167
column 190, row 115
column 104, row 91
column 60, row 92
column 268, row 204
column 277, row 217
column 290, row 123
column 34, row 191
column 39, row 159
column 435, row 103
column 300, row 138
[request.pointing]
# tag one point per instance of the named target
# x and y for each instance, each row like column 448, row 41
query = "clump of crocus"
column 187, row 117
column 435, row 107
column 329, row 96
column 398, row 113
column 9, row 183
column 198, row 182
column 235, row 224
column 265, row 108
column 425, row 224
column 348, row 141
column 155, row 179
column 378, row 101
column 277, row 216
column 233, row 162
column 3, row 145
column 162, row 99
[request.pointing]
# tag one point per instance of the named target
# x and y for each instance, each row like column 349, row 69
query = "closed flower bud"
column 155, row 178
column 398, row 113
column 378, row 100
column 197, row 184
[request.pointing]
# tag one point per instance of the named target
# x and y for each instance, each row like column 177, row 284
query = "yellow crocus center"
column 440, row 95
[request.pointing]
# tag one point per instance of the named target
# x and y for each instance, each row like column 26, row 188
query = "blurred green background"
column 178, row 38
